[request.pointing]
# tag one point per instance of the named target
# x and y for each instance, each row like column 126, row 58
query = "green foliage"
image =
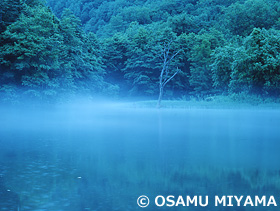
column 9, row 12
column 250, row 66
column 114, row 47
column 256, row 64
column 46, row 57
column 184, row 23
column 221, row 67
column 241, row 18
column 202, row 46
column 142, row 62
column 30, row 48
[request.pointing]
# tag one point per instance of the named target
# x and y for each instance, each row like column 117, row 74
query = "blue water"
column 105, row 157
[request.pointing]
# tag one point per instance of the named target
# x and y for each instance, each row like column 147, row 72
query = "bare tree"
column 165, row 76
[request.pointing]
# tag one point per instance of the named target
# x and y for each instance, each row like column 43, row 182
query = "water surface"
column 73, row 158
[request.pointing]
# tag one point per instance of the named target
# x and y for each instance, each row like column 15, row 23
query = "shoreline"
column 202, row 104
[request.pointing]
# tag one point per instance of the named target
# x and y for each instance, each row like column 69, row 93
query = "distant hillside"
column 107, row 17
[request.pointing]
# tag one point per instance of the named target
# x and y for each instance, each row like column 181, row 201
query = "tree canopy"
column 58, row 48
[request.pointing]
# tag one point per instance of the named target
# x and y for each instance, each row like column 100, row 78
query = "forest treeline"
column 63, row 48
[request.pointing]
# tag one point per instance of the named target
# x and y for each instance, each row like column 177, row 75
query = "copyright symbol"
column 143, row 201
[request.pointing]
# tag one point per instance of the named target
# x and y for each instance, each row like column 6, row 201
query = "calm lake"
column 80, row 158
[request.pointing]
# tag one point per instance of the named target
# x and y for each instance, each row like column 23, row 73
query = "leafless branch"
column 178, row 70
column 164, row 75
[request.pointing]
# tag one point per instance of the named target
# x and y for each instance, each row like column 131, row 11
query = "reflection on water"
column 103, row 159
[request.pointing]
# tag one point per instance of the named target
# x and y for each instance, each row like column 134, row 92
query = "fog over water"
column 103, row 156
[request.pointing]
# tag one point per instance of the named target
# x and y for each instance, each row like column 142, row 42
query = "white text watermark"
column 203, row 201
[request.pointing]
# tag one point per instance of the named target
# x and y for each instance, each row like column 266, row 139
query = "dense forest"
column 64, row 48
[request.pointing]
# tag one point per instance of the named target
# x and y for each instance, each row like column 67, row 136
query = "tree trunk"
column 164, row 75
column 160, row 96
